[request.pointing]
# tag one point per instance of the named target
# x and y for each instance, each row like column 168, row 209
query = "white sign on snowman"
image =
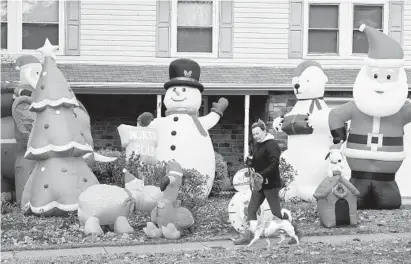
column 309, row 138
column 182, row 135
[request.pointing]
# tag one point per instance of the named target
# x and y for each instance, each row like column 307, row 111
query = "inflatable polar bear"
column 309, row 137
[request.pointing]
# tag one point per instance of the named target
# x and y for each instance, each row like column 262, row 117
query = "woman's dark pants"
column 257, row 199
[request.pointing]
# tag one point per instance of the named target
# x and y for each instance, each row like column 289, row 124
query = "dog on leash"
column 271, row 228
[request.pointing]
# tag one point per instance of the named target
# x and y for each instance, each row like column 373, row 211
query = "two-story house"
column 115, row 54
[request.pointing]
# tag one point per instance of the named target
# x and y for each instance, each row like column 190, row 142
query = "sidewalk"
column 172, row 247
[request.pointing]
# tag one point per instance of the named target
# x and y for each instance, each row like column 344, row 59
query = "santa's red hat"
column 25, row 61
column 383, row 51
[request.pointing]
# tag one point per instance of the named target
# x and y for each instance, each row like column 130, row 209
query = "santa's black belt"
column 386, row 141
column 375, row 176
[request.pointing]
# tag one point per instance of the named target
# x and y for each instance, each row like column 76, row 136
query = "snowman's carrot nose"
column 177, row 92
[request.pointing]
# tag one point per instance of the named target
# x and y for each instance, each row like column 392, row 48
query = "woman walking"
column 265, row 161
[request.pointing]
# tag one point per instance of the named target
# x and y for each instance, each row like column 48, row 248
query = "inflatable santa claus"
column 378, row 114
column 16, row 124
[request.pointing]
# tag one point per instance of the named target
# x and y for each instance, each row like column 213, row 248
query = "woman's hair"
column 259, row 124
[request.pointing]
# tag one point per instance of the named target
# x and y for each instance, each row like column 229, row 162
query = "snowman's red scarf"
column 314, row 101
column 194, row 116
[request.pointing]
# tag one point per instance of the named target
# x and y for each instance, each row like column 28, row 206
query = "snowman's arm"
column 337, row 119
column 406, row 112
column 210, row 120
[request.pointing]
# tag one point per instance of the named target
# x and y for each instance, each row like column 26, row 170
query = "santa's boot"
column 244, row 239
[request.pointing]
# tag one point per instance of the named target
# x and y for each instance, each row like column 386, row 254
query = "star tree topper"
column 48, row 50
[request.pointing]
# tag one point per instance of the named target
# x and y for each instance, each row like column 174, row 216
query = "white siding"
column 117, row 30
column 261, row 30
column 124, row 32
column 407, row 32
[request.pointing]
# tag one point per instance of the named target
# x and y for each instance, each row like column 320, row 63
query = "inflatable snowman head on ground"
column 238, row 206
column 179, row 95
column 309, row 80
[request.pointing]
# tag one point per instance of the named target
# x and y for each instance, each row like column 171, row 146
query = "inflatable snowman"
column 238, row 206
column 182, row 135
column 309, row 138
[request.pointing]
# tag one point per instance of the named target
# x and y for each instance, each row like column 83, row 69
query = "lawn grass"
column 382, row 252
column 30, row 232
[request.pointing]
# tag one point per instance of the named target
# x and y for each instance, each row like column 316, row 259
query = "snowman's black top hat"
column 184, row 72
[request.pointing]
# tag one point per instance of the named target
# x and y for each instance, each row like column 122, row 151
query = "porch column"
column 246, row 124
column 159, row 103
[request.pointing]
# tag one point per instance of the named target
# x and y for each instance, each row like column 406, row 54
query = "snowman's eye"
column 375, row 76
column 184, row 89
column 174, row 89
column 388, row 77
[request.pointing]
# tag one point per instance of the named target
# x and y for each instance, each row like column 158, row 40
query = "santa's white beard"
column 383, row 104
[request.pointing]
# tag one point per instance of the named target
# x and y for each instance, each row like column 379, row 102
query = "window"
column 195, row 30
column 323, row 29
column 331, row 27
column 40, row 21
column 3, row 24
column 33, row 21
column 371, row 15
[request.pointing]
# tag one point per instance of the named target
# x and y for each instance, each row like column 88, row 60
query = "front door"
column 342, row 212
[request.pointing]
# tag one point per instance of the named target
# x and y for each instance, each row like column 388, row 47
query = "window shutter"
column 163, row 32
column 395, row 24
column 225, row 47
column 72, row 40
column 295, row 38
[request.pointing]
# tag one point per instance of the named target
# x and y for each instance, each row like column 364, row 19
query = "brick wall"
column 107, row 112
column 228, row 134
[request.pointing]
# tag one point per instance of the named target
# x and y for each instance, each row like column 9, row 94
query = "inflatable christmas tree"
column 58, row 143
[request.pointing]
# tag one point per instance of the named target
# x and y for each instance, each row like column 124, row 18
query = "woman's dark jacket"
column 266, row 161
